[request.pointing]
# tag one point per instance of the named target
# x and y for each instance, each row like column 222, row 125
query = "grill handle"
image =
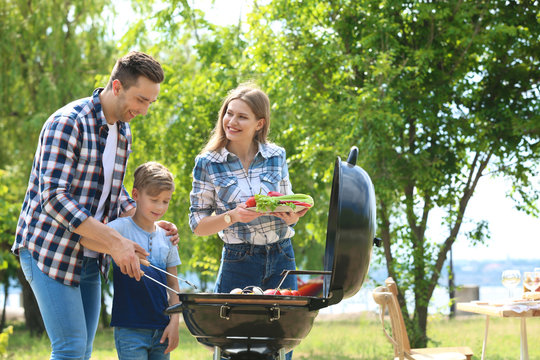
column 176, row 308
column 274, row 312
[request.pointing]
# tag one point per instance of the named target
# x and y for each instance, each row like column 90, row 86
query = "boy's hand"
column 171, row 333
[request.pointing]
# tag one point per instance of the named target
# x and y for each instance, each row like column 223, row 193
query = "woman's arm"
column 213, row 224
column 202, row 218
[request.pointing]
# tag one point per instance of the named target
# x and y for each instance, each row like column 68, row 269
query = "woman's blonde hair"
column 257, row 101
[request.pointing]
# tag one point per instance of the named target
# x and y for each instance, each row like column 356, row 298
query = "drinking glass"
column 531, row 280
column 510, row 279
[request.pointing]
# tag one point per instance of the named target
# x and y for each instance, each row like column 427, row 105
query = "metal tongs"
column 147, row 263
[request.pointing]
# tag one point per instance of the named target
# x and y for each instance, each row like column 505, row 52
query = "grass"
column 350, row 337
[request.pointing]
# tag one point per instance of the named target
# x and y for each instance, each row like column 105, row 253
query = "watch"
column 227, row 218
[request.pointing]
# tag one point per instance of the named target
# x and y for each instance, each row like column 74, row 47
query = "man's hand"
column 104, row 239
column 171, row 230
column 126, row 254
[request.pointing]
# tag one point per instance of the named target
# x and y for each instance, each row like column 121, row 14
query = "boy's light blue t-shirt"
column 163, row 253
column 140, row 304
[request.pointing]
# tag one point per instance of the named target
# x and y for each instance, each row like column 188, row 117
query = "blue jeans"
column 260, row 265
column 70, row 313
column 140, row 344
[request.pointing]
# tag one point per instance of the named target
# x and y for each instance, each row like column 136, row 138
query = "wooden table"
column 488, row 309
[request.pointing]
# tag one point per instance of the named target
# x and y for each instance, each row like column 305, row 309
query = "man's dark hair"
column 134, row 64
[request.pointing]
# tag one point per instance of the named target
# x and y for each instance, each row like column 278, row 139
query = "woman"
column 237, row 163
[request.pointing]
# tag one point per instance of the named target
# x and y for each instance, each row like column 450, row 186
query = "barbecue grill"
column 246, row 326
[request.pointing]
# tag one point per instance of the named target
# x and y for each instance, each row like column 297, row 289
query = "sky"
column 514, row 234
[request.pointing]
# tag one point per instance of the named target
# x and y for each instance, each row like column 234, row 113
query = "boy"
column 141, row 330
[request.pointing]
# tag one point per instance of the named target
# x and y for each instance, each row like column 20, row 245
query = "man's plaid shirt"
column 220, row 183
column 65, row 186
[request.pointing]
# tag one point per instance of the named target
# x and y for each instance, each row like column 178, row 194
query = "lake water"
column 361, row 301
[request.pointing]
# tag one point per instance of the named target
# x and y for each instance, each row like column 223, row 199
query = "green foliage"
column 4, row 338
column 435, row 95
column 9, row 208
column 50, row 52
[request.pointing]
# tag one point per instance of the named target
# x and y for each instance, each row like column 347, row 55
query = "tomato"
column 295, row 293
column 274, row 193
column 251, row 202
column 272, row 292
column 286, row 292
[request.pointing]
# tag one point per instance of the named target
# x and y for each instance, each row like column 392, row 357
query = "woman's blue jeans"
column 260, row 265
column 70, row 313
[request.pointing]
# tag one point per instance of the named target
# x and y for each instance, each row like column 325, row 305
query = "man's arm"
column 99, row 237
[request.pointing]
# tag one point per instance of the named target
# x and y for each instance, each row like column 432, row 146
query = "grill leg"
column 217, row 353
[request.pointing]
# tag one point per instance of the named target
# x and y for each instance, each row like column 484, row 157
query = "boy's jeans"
column 140, row 344
column 70, row 313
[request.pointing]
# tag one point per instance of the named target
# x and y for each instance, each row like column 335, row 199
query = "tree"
column 435, row 95
column 51, row 53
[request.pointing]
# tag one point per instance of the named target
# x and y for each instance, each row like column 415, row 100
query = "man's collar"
column 98, row 107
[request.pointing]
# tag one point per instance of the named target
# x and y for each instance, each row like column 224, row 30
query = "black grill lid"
column 351, row 229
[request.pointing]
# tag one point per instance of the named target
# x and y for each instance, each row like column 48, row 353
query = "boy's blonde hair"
column 153, row 178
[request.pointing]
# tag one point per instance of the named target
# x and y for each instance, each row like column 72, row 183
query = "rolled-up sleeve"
column 202, row 196
column 58, row 165
column 125, row 201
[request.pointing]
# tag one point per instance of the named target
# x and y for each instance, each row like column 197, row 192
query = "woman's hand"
column 242, row 214
column 171, row 230
column 290, row 217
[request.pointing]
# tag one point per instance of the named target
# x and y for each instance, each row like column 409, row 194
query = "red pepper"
column 251, row 202
column 274, row 193
column 312, row 287
column 298, row 203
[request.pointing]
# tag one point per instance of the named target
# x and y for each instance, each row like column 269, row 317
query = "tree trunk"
column 105, row 319
column 422, row 339
column 32, row 315
column 6, row 295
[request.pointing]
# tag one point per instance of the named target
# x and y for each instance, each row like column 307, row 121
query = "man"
column 75, row 186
